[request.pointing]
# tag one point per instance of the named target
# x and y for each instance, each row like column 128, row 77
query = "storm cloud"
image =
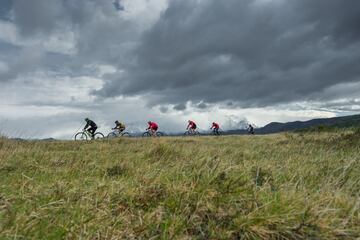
column 252, row 52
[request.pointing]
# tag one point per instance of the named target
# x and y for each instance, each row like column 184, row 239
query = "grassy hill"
column 285, row 186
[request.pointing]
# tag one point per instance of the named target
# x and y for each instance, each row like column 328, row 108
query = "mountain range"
column 276, row 127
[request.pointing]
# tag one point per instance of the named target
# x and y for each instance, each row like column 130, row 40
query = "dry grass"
column 288, row 186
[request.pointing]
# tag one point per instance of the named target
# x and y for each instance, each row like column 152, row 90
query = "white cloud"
column 61, row 41
column 11, row 112
column 145, row 13
column 48, row 88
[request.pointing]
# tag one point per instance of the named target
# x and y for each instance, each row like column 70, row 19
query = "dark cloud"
column 37, row 15
column 180, row 107
column 5, row 8
column 69, row 36
column 164, row 109
column 118, row 5
column 254, row 53
column 46, row 16
column 26, row 60
column 202, row 105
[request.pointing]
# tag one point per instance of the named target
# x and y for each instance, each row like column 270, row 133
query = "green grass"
column 285, row 186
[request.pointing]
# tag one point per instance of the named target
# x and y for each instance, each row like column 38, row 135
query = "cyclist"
column 120, row 127
column 90, row 127
column 250, row 129
column 216, row 128
column 153, row 127
column 191, row 126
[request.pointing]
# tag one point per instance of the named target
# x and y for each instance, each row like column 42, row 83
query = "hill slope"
column 276, row 127
column 246, row 187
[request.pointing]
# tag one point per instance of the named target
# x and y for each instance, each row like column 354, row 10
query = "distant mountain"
column 48, row 139
column 275, row 127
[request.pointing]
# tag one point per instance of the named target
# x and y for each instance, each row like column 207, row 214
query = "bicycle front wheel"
column 81, row 136
column 146, row 134
column 196, row 133
column 98, row 135
column 125, row 134
column 111, row 135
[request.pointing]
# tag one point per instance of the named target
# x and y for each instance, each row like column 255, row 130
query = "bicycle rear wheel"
column 80, row 136
column 160, row 134
column 98, row 135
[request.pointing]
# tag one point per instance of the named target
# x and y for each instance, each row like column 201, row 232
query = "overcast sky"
column 174, row 60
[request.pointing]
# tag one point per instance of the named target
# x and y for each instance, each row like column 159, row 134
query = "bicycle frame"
column 116, row 132
column 85, row 134
column 216, row 132
column 88, row 134
column 191, row 131
column 151, row 132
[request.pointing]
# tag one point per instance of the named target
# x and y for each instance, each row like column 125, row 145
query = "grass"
column 284, row 186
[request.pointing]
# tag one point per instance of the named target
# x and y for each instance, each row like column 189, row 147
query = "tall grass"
column 286, row 186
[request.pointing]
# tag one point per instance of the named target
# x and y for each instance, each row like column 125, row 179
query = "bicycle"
column 148, row 133
column 215, row 133
column 191, row 132
column 85, row 135
column 250, row 131
column 117, row 133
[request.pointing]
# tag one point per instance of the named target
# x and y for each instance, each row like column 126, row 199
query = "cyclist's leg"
column 117, row 131
column 120, row 131
column 154, row 131
column 92, row 131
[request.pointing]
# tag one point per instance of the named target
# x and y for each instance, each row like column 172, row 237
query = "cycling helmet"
column 116, row 121
column 149, row 122
column 87, row 119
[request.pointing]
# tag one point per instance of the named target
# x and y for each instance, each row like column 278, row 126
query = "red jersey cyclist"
column 153, row 127
column 215, row 126
column 191, row 126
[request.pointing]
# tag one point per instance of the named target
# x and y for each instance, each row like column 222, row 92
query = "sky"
column 229, row 61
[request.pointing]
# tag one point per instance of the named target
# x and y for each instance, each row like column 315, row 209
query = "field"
column 283, row 186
